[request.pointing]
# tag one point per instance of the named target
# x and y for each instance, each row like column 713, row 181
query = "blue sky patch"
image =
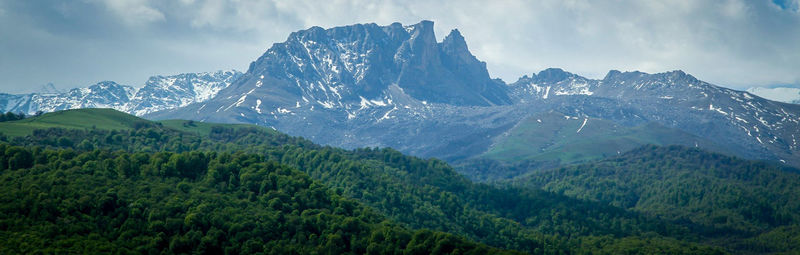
column 787, row 4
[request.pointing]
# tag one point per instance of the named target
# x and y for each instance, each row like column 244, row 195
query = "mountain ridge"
column 381, row 86
column 158, row 93
column 397, row 86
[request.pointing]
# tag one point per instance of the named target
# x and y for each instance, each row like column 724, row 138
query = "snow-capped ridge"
column 158, row 93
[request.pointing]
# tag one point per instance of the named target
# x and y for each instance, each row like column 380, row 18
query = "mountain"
column 747, row 125
column 158, row 93
column 780, row 94
column 167, row 92
column 368, row 84
column 105, row 94
column 396, row 86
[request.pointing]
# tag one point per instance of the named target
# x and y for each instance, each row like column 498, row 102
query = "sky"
column 731, row 43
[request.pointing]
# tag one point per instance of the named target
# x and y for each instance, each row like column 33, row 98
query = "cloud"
column 736, row 43
column 133, row 12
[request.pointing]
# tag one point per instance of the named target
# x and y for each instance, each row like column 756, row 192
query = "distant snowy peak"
column 106, row 94
column 780, row 94
column 552, row 82
column 159, row 93
column 167, row 92
column 621, row 85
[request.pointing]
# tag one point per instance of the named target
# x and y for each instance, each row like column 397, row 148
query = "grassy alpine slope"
column 550, row 139
column 75, row 119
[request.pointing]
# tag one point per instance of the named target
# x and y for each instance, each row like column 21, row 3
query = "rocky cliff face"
column 346, row 68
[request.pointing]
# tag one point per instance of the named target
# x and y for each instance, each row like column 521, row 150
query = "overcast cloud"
column 733, row 43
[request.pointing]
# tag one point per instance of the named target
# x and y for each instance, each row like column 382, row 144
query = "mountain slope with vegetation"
column 554, row 136
column 552, row 139
column 756, row 201
column 63, row 201
column 416, row 193
column 74, row 119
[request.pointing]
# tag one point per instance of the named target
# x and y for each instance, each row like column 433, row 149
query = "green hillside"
column 417, row 193
column 552, row 139
column 63, row 202
column 108, row 119
column 203, row 128
column 757, row 201
column 557, row 137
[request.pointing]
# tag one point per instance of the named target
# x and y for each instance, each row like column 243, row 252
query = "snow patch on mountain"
column 158, row 93
column 397, row 86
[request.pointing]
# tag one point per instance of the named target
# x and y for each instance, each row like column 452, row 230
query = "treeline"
column 102, row 201
column 9, row 116
column 149, row 137
column 417, row 192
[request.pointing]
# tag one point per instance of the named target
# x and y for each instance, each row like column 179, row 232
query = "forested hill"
column 411, row 192
column 62, row 201
column 740, row 197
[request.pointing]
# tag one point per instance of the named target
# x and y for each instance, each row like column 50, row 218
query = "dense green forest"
column 752, row 199
column 9, row 116
column 63, row 201
column 394, row 191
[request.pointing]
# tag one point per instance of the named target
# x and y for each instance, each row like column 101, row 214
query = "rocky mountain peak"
column 105, row 84
column 553, row 75
column 615, row 75
column 422, row 31
column 336, row 67
column 455, row 43
column 421, row 47
column 315, row 33
column 680, row 77
column 673, row 83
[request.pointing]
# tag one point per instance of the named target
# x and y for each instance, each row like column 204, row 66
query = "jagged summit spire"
column 454, row 42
